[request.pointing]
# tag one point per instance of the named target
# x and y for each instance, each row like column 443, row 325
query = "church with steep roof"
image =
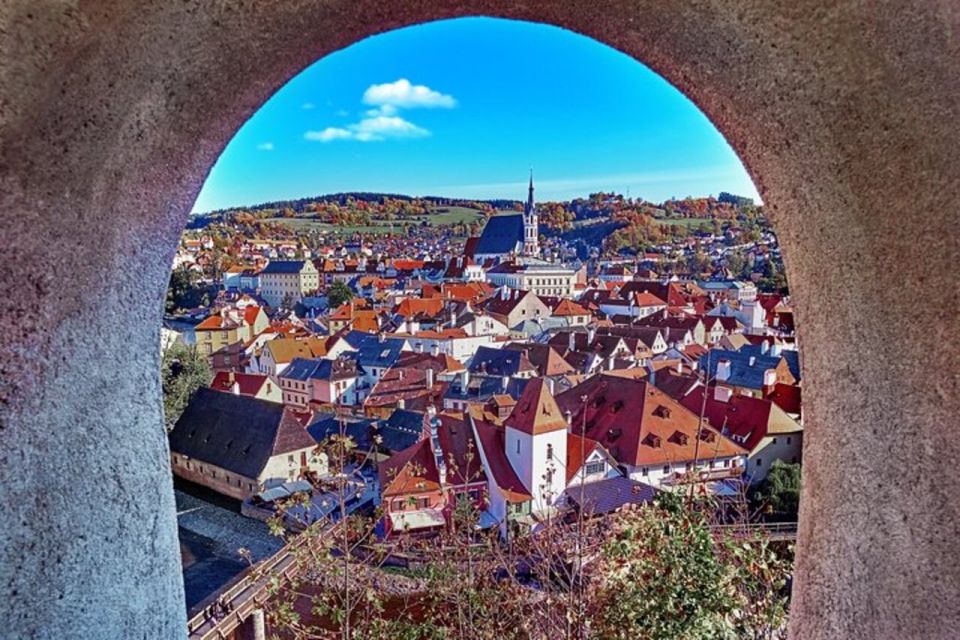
column 509, row 235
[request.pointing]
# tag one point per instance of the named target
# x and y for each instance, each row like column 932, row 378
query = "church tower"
column 535, row 440
column 531, row 242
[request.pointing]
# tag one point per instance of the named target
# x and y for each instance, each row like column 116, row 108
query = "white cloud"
column 406, row 95
column 385, row 110
column 308, row 105
column 371, row 129
column 265, row 146
column 381, row 121
column 328, row 134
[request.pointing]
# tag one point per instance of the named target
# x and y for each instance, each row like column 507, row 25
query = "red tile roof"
column 536, row 411
column 639, row 424
column 504, row 477
column 249, row 383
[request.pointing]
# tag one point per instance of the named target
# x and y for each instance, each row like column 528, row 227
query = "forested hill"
column 373, row 203
column 617, row 224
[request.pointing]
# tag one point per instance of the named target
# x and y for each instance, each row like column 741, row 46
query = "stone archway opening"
column 303, row 100
column 112, row 116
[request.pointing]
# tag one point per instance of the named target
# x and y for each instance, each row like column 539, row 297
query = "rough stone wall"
column 112, row 113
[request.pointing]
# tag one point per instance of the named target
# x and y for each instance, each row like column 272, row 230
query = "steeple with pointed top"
column 531, row 241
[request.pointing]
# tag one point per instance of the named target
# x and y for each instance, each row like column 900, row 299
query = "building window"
column 789, row 440
column 518, row 445
column 645, row 471
column 598, row 466
column 774, row 441
column 549, row 452
column 666, row 468
column 759, row 462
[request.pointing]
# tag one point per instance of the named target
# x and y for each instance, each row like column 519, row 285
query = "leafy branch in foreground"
column 661, row 570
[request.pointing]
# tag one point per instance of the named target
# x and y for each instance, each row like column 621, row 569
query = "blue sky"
column 465, row 108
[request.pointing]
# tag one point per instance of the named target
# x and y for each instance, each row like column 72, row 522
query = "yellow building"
column 228, row 326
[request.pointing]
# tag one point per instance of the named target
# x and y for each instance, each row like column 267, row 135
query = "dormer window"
column 661, row 411
column 679, row 437
column 652, row 440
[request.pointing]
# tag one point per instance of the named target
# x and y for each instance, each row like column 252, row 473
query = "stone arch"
column 112, row 113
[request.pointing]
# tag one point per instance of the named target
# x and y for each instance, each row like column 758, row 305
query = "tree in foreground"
column 660, row 571
column 664, row 573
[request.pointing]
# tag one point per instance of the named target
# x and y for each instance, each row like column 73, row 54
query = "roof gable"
column 536, row 411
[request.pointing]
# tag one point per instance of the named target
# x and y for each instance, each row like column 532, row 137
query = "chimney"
column 723, row 370
column 435, row 349
column 465, row 380
column 591, row 334
column 775, row 350
column 504, row 383
column 610, row 363
column 764, row 347
column 235, row 388
column 550, row 385
column 453, row 318
column 571, row 341
column 770, row 378
column 401, row 404
column 435, row 446
column 400, row 374
column 429, row 378
column 381, row 338
column 753, row 360
column 722, row 394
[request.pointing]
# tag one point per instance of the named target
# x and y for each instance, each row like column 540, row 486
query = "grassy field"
column 453, row 215
column 440, row 216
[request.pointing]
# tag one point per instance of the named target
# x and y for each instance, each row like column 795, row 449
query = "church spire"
column 531, row 244
column 529, row 207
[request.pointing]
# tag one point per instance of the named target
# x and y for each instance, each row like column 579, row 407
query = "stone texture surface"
column 112, row 113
